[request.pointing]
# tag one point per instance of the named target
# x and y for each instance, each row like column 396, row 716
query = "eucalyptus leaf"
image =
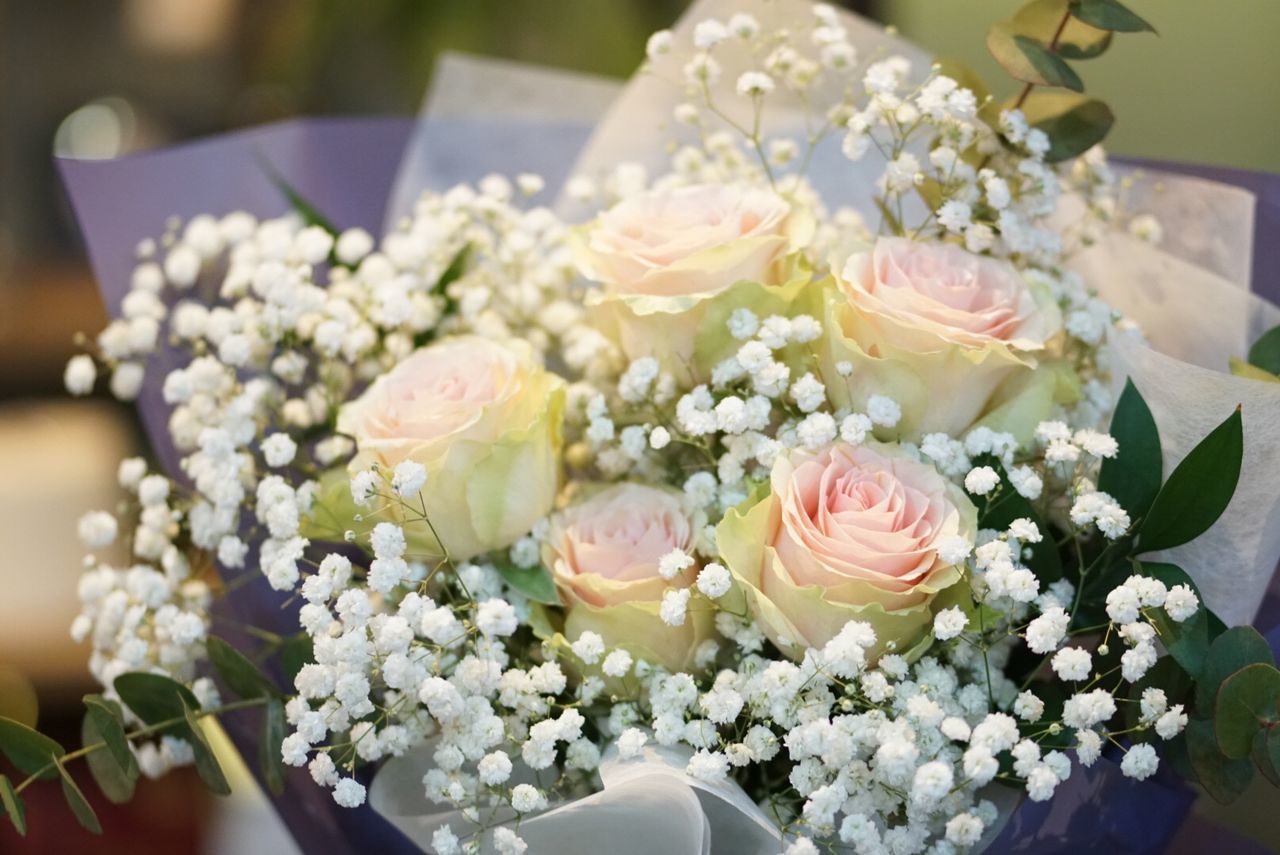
column 1109, row 15
column 1266, row 753
column 1133, row 476
column 1229, row 652
column 1043, row 19
column 534, row 582
column 1222, row 778
column 240, row 675
column 155, row 699
column 206, row 763
column 1073, row 123
column 1198, row 490
column 1248, row 701
column 1265, row 353
column 13, row 806
column 112, row 778
column 29, row 750
column 1028, row 60
column 273, row 732
column 109, row 724
column 77, row 802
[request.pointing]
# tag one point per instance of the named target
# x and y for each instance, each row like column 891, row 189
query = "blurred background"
column 103, row 78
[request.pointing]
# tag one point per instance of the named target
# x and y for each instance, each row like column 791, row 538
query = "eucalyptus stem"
column 140, row 733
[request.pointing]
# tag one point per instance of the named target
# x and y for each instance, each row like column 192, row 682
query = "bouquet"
column 844, row 462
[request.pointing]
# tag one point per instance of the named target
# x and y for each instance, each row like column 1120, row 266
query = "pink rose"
column 665, row 257
column 698, row 239
column 484, row 418
column 940, row 329
column 604, row 553
column 849, row 533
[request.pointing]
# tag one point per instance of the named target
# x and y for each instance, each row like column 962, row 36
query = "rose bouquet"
column 826, row 471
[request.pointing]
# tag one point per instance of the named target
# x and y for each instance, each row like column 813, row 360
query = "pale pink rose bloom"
column 606, row 549
column 698, row 239
column 484, row 417
column 604, row 553
column 918, row 293
column 445, row 389
column 846, row 533
column 851, row 514
column 952, row 336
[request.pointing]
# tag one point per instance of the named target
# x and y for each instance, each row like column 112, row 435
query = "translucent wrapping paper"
column 1191, row 296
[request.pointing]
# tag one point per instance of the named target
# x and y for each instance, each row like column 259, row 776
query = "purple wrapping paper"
column 348, row 168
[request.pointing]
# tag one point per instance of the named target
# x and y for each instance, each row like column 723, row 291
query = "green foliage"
column 1222, row 778
column 1198, row 491
column 1248, row 702
column 1029, row 60
column 32, row 752
column 1074, row 123
column 295, row 651
column 109, row 724
column 273, row 732
column 1266, row 753
column 533, row 582
column 1187, row 641
column 77, row 802
column 206, row 763
column 13, row 806
column 1133, row 476
column 240, row 675
column 115, row 770
column 1041, row 19
column 1033, row 47
column 1230, row 651
column 1109, row 15
column 157, row 700
column 1265, row 353
column 309, row 213
column 1236, row 723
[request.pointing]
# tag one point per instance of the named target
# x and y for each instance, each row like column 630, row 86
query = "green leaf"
column 13, row 806
column 240, row 675
column 273, row 727
column 1222, row 778
column 295, row 652
column 1248, row 700
column 534, row 582
column 206, row 763
column 1040, row 20
column 1133, row 476
column 1240, row 368
column 1198, row 491
column 1187, row 641
column 309, row 213
column 77, row 802
column 1109, row 15
column 29, row 750
column 1230, row 651
column 1073, row 123
column 1028, row 59
column 1265, row 353
column 1266, row 753
column 155, row 699
column 114, row 777
column 109, row 723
